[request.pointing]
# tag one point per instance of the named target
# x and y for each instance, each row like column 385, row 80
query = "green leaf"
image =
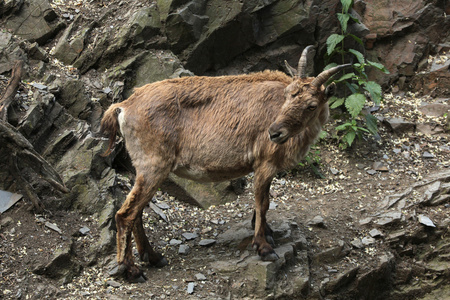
column 343, row 19
column 346, row 4
column 357, row 39
column 343, row 126
column 371, row 123
column 355, row 103
column 375, row 91
column 350, row 137
column 358, row 55
column 345, row 77
column 378, row 66
column 352, row 87
column 338, row 102
column 332, row 41
column 329, row 66
column 323, row 134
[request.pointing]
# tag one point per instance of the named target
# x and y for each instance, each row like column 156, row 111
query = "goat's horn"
column 290, row 69
column 302, row 63
column 325, row 75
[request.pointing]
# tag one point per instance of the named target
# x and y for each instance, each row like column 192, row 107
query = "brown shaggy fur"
column 212, row 129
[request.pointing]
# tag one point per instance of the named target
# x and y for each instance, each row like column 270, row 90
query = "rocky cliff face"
column 81, row 56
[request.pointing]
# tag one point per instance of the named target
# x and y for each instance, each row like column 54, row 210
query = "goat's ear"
column 330, row 90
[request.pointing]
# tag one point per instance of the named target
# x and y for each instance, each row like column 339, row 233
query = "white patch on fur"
column 121, row 119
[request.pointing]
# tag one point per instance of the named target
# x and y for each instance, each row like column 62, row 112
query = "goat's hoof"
column 139, row 279
column 270, row 256
column 135, row 275
column 161, row 263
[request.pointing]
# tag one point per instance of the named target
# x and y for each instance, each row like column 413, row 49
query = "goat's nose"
column 278, row 134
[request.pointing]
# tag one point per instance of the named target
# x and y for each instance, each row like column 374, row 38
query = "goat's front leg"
column 262, row 188
column 267, row 230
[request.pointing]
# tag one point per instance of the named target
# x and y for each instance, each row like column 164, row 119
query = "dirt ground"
column 347, row 195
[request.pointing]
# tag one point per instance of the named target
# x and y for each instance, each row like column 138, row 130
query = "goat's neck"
column 303, row 141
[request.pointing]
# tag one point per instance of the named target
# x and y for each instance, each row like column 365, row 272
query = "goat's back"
column 210, row 128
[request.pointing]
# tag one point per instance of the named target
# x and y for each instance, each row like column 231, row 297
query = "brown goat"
column 214, row 129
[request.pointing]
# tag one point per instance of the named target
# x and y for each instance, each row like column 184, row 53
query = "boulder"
column 203, row 194
column 36, row 21
column 75, row 99
column 10, row 51
column 139, row 29
column 71, row 44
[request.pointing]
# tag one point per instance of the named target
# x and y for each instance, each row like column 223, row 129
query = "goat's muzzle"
column 278, row 134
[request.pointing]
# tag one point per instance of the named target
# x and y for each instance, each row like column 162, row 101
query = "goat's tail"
column 110, row 126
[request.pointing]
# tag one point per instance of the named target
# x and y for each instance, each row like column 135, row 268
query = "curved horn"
column 325, row 75
column 302, row 63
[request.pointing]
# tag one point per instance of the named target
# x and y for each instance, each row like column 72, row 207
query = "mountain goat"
column 214, row 129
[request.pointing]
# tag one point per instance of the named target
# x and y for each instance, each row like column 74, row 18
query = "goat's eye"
column 312, row 106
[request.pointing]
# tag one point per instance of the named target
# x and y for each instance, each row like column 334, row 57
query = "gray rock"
column 427, row 154
column 53, row 227
column 200, row 277
column 190, row 288
column 399, row 126
column 375, row 233
column 174, row 242
column 203, row 194
column 8, row 199
column 34, row 22
column 426, row 221
column 334, row 171
column 84, row 230
column 113, row 283
column 5, row 222
column 357, row 243
column 366, row 241
column 371, row 172
column 62, row 265
column 157, row 210
column 162, row 205
column 74, row 98
column 434, row 109
column 40, row 86
column 72, row 43
column 389, row 218
column 184, row 249
column 207, row 242
column 189, row 236
column 380, row 166
column 338, row 282
column 316, row 221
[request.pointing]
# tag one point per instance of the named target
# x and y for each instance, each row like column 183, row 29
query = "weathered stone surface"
column 75, row 99
column 10, row 51
column 62, row 265
column 185, row 26
column 399, row 126
column 140, row 28
column 35, row 21
column 201, row 194
column 339, row 281
column 402, row 57
column 71, row 44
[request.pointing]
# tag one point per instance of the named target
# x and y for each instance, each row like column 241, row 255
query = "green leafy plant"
column 361, row 89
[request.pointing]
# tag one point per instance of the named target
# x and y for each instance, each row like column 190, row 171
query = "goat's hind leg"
column 128, row 220
column 146, row 252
